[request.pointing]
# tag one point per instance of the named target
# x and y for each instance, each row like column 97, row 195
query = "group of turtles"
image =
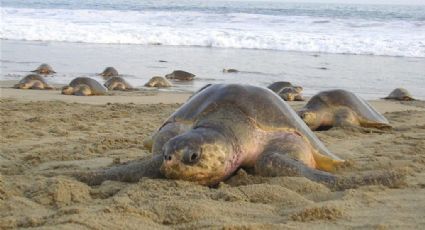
column 225, row 127
column 85, row 86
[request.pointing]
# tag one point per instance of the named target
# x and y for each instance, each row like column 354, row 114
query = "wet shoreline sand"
column 45, row 135
column 369, row 76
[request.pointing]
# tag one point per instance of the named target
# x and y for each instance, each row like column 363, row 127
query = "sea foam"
column 210, row 29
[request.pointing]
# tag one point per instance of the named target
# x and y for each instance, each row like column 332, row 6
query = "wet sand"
column 369, row 76
column 45, row 135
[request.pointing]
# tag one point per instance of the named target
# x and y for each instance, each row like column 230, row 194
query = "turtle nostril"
column 167, row 157
column 194, row 156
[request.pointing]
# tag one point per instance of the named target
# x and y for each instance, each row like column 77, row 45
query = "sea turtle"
column 400, row 94
column 33, row 81
column 279, row 85
column 180, row 75
column 230, row 71
column 340, row 108
column 287, row 91
column 159, row 82
column 291, row 94
column 44, row 69
column 117, row 83
column 84, row 86
column 227, row 127
column 109, row 72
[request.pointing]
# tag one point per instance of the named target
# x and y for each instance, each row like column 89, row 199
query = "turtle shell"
column 44, row 69
column 339, row 97
column 400, row 94
column 117, row 79
column 33, row 77
column 95, row 87
column 265, row 108
column 279, row 85
column 180, row 75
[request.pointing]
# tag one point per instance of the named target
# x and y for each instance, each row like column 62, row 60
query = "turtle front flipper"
column 347, row 119
column 280, row 164
column 132, row 172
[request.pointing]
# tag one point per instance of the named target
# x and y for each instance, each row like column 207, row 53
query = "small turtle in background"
column 230, row 71
column 84, row 86
column 33, row 81
column 180, row 75
column 291, row 93
column 109, row 72
column 45, row 69
column 118, row 83
column 340, row 108
column 159, row 82
column 279, row 85
column 287, row 91
column 400, row 94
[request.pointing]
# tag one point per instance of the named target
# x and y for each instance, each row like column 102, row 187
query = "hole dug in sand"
column 58, row 192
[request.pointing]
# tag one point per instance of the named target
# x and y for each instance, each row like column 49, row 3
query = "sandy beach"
column 45, row 135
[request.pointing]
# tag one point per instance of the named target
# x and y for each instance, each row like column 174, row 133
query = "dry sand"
column 45, row 135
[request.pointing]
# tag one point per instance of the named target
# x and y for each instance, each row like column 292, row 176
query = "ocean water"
column 367, row 49
column 390, row 30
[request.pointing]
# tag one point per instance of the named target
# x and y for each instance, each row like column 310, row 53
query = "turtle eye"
column 191, row 157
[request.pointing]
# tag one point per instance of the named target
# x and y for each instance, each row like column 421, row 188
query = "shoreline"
column 142, row 96
column 154, row 96
column 119, row 45
column 361, row 74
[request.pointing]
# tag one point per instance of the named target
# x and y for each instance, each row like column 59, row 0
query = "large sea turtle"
column 44, row 69
column 340, row 108
column 33, row 81
column 225, row 127
column 84, row 86
column 159, row 82
column 117, row 83
column 180, row 75
column 287, row 91
column 400, row 94
column 109, row 72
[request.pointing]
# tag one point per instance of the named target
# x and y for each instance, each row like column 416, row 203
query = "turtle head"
column 68, row 90
column 199, row 155
column 310, row 118
column 82, row 90
column 288, row 96
column 289, row 93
